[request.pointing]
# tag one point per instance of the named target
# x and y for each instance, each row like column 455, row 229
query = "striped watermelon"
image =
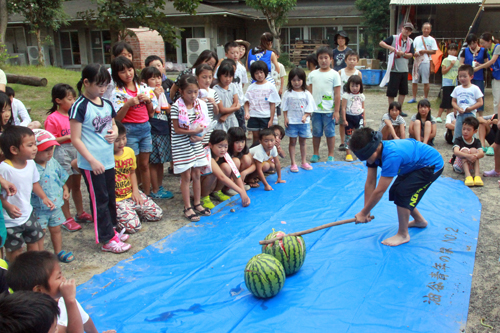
column 264, row 276
column 290, row 251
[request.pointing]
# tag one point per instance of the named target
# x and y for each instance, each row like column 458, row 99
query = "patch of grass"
column 39, row 98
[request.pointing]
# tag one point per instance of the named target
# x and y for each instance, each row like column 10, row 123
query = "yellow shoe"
column 349, row 158
column 469, row 181
column 207, row 203
column 478, row 181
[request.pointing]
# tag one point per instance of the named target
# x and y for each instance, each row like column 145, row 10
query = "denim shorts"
column 323, row 122
column 298, row 130
column 51, row 218
column 139, row 137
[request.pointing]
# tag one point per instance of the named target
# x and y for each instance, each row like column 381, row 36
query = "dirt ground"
column 485, row 294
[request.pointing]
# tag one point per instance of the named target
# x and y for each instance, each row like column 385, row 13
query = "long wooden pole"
column 308, row 231
column 481, row 8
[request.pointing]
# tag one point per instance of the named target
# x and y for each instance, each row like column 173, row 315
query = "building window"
column 352, row 32
column 289, row 36
column 316, row 34
column 70, row 48
column 101, row 46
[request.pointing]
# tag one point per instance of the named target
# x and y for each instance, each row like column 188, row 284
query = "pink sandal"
column 306, row 166
column 71, row 225
column 294, row 168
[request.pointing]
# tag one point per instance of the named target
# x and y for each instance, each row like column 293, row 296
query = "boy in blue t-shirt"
column 416, row 166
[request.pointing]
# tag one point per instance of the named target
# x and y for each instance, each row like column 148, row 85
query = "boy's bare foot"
column 396, row 240
column 417, row 224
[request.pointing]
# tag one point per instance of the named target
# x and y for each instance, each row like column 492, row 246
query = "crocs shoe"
column 207, row 203
column 115, row 245
column 342, row 147
column 491, row 173
column 349, row 158
column 161, row 194
column 294, row 168
column 331, row 159
column 84, row 217
column 490, row 151
column 314, row 159
column 306, row 166
column 413, row 100
column 478, row 181
column 71, row 225
column 439, row 120
column 484, row 149
column 219, row 196
column 469, row 181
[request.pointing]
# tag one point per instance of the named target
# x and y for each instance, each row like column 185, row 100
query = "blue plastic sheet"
column 193, row 279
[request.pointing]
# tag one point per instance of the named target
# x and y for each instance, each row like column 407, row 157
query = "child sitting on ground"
column 416, row 166
column 19, row 111
column 488, row 128
column 279, row 133
column 19, row 147
column 39, row 271
column 262, row 155
column 468, row 151
column 228, row 94
column 353, row 109
column 423, row 125
column 224, row 172
column 53, row 182
column 393, row 125
column 131, row 204
column 449, row 69
column 239, row 152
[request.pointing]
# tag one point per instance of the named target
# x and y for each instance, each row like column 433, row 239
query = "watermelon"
column 264, row 276
column 290, row 251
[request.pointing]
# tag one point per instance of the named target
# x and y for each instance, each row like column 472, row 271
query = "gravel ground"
column 485, row 295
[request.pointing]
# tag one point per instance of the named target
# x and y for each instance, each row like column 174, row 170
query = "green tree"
column 376, row 19
column 40, row 13
column 112, row 15
column 276, row 14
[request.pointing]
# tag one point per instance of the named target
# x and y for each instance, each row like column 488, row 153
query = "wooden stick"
column 308, row 231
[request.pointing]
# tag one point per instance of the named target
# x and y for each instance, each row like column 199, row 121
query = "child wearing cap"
column 53, row 179
column 416, row 165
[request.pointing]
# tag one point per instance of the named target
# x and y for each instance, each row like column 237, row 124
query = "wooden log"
column 27, row 80
column 308, row 231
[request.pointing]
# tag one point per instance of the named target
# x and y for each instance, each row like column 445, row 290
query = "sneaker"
column 349, row 158
column 490, row 151
column 306, row 166
column 331, row 159
column 122, row 235
column 84, row 217
column 491, row 173
column 469, row 181
column 342, row 147
column 71, row 225
column 314, row 159
column 439, row 120
column 207, row 203
column 413, row 100
column 402, row 114
column 161, row 194
column 478, row 181
column 230, row 192
column 219, row 196
column 116, row 246
column 294, row 168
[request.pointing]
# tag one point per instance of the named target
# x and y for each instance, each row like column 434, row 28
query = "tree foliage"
column 112, row 15
column 276, row 13
column 376, row 15
column 40, row 14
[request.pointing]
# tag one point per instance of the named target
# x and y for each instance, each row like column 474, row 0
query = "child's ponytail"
column 60, row 91
column 94, row 73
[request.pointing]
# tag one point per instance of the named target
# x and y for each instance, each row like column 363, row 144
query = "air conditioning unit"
column 194, row 47
column 19, row 60
column 221, row 53
column 33, row 55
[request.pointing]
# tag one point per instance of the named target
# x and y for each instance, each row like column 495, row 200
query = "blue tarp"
column 193, row 279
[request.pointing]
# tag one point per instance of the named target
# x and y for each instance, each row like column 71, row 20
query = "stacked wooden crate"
column 302, row 48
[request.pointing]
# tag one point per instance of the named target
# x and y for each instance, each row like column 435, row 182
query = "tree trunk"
column 27, row 80
column 275, row 31
column 3, row 22
column 41, row 60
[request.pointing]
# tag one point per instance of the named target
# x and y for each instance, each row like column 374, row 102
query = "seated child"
column 487, row 132
column 393, row 125
column 423, row 125
column 39, row 271
column 353, row 109
column 279, row 134
column 19, row 147
column 239, row 152
column 27, row 311
column 19, row 111
column 416, row 166
column 467, row 151
column 131, row 204
column 451, row 119
column 53, row 182
column 223, row 169
column 263, row 155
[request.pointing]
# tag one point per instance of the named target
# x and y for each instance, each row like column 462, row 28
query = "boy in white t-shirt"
column 324, row 84
column 466, row 98
column 39, row 271
column 19, row 147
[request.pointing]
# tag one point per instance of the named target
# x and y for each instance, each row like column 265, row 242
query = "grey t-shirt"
column 399, row 121
column 400, row 64
column 414, row 117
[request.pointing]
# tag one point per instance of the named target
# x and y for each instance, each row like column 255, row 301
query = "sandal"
column 192, row 217
column 204, row 212
column 65, row 257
